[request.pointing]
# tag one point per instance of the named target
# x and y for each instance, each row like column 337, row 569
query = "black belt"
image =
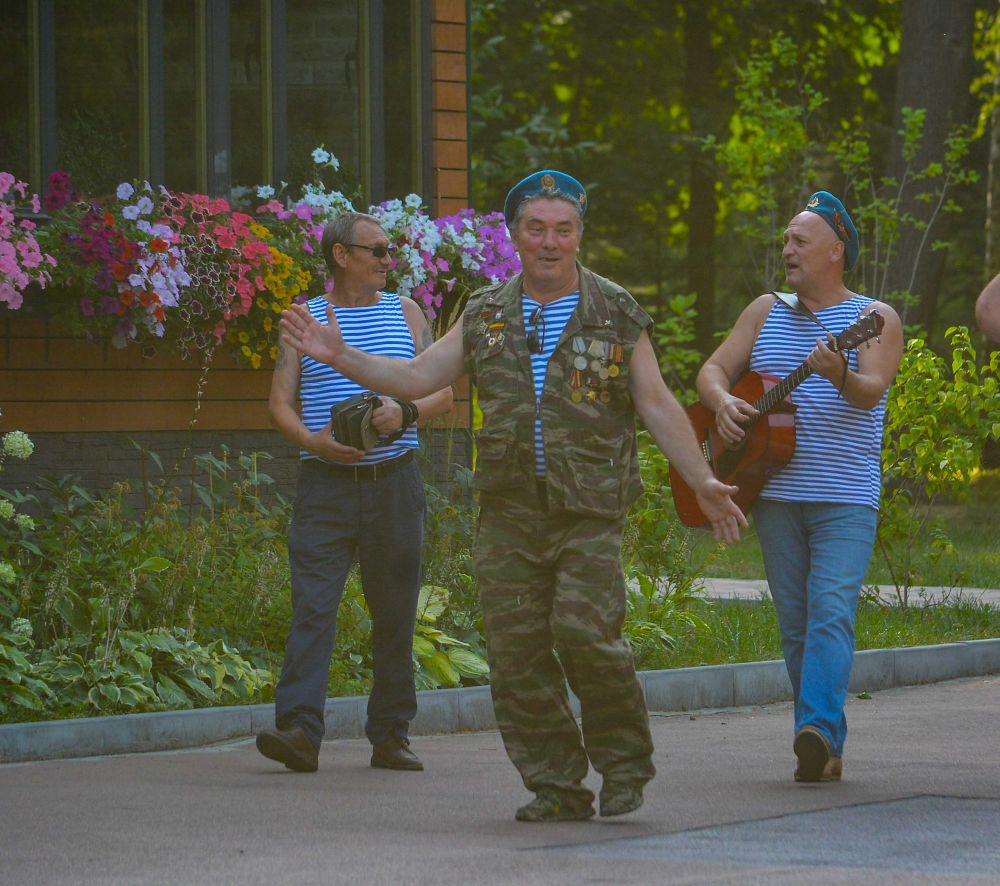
column 358, row 473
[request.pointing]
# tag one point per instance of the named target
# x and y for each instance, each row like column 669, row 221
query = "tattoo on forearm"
column 426, row 339
column 282, row 361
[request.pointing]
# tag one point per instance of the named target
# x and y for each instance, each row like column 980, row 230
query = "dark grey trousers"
column 335, row 519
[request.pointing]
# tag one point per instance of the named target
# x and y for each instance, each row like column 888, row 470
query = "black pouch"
column 352, row 421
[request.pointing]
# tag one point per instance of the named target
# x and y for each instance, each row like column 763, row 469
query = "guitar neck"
column 778, row 393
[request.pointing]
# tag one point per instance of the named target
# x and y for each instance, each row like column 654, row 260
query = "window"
column 215, row 97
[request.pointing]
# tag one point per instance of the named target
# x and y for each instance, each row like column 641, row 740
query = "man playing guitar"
column 816, row 516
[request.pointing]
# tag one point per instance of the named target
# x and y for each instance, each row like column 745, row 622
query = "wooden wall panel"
column 449, row 63
column 52, row 382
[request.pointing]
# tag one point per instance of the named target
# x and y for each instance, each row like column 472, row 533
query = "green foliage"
column 441, row 660
column 148, row 670
column 661, row 569
column 673, row 333
column 105, row 589
column 772, row 151
column 879, row 202
column 939, row 416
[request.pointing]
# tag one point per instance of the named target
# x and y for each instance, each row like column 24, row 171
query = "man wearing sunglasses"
column 562, row 363
column 352, row 504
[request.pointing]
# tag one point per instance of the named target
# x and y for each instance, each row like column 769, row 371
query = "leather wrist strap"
column 410, row 412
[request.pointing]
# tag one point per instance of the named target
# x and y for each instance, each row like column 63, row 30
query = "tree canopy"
column 699, row 128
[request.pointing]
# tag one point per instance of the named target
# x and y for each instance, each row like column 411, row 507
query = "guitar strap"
column 791, row 300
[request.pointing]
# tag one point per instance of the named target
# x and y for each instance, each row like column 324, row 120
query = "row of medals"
column 603, row 360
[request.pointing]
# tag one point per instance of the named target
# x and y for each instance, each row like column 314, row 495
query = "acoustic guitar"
column 769, row 441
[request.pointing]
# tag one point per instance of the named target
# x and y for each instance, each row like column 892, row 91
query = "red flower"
column 109, row 219
column 158, row 245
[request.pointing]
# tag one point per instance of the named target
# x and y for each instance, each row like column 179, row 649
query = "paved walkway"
column 920, row 803
column 752, row 589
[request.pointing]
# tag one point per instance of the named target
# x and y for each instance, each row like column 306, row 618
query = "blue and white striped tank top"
column 552, row 321
column 838, row 447
column 376, row 329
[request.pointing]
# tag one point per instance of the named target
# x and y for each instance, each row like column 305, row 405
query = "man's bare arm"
column 988, row 309
column 730, row 361
column 426, row 373
column 878, row 362
column 667, row 421
column 282, row 406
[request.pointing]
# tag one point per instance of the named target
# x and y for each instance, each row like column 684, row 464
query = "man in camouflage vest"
column 562, row 362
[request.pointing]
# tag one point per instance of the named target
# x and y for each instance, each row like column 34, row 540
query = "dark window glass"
column 15, row 90
column 97, row 92
column 323, row 90
column 246, row 98
column 402, row 79
column 180, row 105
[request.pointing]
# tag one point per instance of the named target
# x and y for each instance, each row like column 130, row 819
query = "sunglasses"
column 536, row 335
column 377, row 251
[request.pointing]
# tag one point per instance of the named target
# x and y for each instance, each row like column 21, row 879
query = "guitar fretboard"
column 778, row 393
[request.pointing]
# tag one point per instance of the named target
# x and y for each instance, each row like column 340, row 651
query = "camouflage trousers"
column 553, row 598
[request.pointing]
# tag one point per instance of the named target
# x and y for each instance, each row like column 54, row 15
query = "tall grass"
column 970, row 525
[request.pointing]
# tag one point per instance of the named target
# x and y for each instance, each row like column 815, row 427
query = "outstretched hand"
column 724, row 515
column 300, row 330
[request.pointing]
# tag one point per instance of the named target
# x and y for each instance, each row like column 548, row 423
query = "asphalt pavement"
column 919, row 803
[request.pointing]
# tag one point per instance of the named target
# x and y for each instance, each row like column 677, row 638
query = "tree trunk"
column 698, row 85
column 934, row 73
column 991, row 259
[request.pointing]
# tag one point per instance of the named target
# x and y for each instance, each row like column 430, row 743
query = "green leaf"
column 154, row 564
column 111, row 692
column 441, row 667
column 171, row 694
column 423, row 647
column 467, row 663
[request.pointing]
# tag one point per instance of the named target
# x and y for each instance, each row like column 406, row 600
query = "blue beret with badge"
column 832, row 211
column 547, row 182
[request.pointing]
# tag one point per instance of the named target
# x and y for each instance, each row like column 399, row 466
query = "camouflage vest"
column 588, row 418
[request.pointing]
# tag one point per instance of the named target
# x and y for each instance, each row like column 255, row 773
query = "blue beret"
column 832, row 211
column 547, row 182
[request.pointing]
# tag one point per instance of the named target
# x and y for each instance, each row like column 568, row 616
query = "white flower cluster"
column 466, row 242
column 21, row 626
column 404, row 220
column 329, row 203
column 17, row 444
column 322, row 157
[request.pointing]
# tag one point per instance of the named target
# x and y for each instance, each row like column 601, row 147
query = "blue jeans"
column 336, row 519
column 815, row 556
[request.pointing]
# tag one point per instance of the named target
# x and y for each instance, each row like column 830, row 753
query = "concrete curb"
column 452, row 710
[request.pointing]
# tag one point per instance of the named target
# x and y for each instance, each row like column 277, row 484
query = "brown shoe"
column 395, row 753
column 289, row 746
column 815, row 756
